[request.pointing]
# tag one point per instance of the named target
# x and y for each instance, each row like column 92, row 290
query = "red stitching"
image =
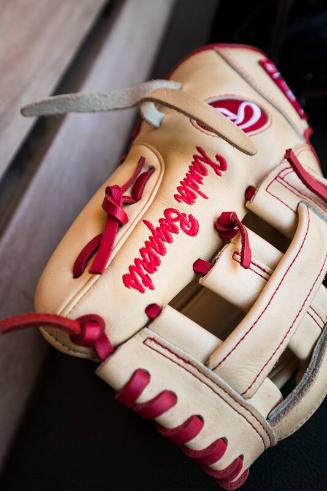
column 275, row 179
column 284, row 169
column 289, row 329
column 280, row 178
column 262, row 269
column 236, row 253
column 271, row 298
column 268, row 273
column 279, row 199
column 188, row 362
column 257, row 273
column 296, row 191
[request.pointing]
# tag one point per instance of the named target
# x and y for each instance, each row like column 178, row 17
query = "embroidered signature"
column 172, row 222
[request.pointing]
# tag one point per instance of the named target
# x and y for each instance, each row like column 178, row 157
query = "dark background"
column 75, row 436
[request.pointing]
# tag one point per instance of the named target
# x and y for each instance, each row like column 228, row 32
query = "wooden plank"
column 82, row 154
column 38, row 41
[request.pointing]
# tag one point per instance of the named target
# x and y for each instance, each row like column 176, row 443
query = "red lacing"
column 202, row 267
column 88, row 330
column 113, row 204
column 249, row 193
column 308, row 180
column 184, row 433
column 228, row 225
column 153, row 310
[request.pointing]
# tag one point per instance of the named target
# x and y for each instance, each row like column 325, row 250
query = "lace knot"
column 88, row 330
column 113, row 204
column 228, row 225
column 93, row 335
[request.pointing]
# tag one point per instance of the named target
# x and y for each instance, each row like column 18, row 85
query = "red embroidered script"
column 189, row 188
column 172, row 222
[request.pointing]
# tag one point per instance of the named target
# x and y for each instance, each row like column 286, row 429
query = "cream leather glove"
column 195, row 274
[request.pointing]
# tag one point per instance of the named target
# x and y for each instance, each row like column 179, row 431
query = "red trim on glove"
column 88, row 330
column 308, row 180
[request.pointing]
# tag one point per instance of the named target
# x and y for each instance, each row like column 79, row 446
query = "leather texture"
column 226, row 343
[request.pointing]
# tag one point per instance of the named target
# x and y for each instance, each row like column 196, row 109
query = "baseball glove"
column 195, row 274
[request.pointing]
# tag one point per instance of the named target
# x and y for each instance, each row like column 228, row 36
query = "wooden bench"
column 50, row 168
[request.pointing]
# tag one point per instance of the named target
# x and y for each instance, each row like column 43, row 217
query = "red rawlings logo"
column 172, row 222
column 245, row 114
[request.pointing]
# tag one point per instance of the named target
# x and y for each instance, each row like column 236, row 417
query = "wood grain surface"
column 81, row 155
column 38, row 40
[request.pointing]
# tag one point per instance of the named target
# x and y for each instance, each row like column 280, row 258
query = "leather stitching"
column 297, row 192
column 123, row 238
column 230, row 59
column 236, row 257
column 83, row 292
column 188, row 362
column 274, row 195
column 314, row 320
column 271, row 298
column 280, row 178
column 289, row 329
column 318, row 315
column 269, row 274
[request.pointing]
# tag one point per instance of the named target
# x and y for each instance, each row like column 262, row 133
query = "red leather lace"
column 202, row 267
column 228, row 225
column 113, row 205
column 184, row 433
column 88, row 330
column 308, row 180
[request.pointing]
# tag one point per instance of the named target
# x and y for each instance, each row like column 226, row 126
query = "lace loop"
column 88, row 330
column 185, row 432
column 93, row 335
column 113, row 203
column 317, row 187
column 228, row 225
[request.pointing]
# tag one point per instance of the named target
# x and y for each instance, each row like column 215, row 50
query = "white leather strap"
column 245, row 285
column 192, row 339
column 238, row 285
column 184, row 333
column 203, row 113
column 279, row 194
column 253, row 348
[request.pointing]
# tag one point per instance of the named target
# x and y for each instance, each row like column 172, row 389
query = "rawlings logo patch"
column 245, row 114
column 172, row 222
